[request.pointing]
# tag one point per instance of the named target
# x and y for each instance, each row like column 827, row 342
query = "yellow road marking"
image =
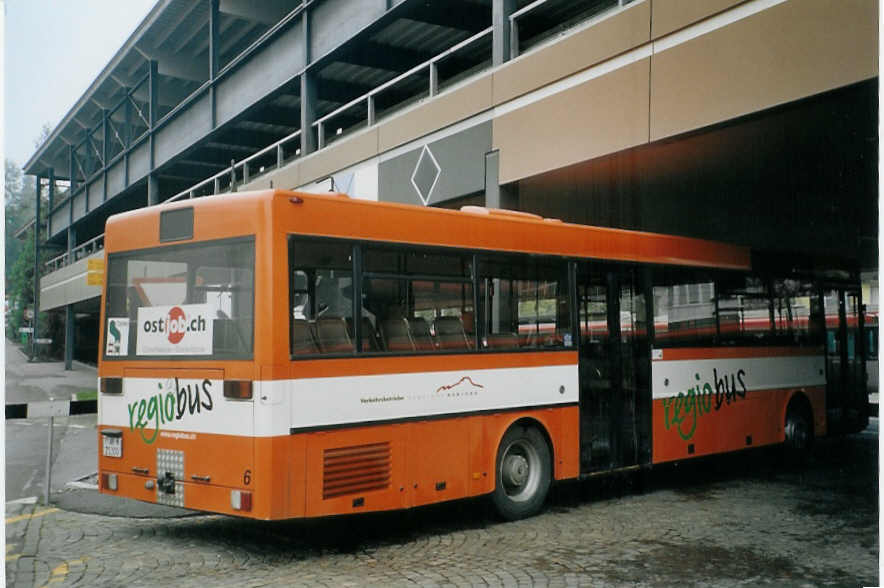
column 59, row 574
column 61, row 570
column 24, row 517
column 13, row 557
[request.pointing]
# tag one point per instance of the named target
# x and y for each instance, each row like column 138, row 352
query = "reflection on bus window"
column 684, row 308
column 420, row 301
column 525, row 304
column 796, row 310
column 321, row 276
column 744, row 312
column 207, row 288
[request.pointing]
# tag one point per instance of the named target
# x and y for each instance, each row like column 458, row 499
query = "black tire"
column 799, row 434
column 523, row 472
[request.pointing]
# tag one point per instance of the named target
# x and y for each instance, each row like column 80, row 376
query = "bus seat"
column 303, row 342
column 369, row 335
column 528, row 336
column 450, row 333
column 332, row 335
column 396, row 335
column 503, row 341
column 468, row 318
column 420, row 332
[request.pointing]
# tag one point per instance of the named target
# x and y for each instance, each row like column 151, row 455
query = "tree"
column 19, row 208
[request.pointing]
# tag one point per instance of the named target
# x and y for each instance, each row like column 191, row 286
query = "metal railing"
column 273, row 156
column 244, row 171
column 430, row 68
column 91, row 246
column 515, row 41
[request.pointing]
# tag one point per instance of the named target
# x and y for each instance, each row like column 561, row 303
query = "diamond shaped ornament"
column 426, row 174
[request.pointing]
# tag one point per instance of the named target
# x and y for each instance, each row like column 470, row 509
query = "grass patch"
column 87, row 394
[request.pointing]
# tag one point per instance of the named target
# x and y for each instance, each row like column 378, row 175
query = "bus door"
column 614, row 368
column 846, row 396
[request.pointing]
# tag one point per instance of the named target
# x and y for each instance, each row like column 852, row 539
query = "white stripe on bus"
column 754, row 373
column 282, row 405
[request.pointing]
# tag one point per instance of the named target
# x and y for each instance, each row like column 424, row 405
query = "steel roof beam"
column 170, row 31
column 195, row 69
column 268, row 12
column 275, row 115
column 465, row 16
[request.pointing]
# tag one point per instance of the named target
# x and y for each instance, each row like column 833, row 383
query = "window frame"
column 178, row 246
column 359, row 246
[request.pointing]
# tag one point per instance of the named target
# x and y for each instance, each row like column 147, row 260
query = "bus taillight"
column 109, row 481
column 240, row 500
column 237, row 389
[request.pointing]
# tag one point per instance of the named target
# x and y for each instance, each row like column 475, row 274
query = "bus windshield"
column 181, row 301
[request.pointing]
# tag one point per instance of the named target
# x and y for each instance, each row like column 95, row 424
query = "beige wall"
column 446, row 109
column 611, row 36
column 68, row 285
column 787, row 52
column 600, row 116
column 671, row 15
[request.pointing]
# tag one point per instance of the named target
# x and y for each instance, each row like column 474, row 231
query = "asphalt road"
column 74, row 441
column 745, row 519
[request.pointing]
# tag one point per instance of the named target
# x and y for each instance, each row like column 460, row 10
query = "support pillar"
column 500, row 34
column 127, row 137
column 153, row 189
column 105, row 139
column 36, row 270
column 69, row 337
column 214, row 32
column 497, row 196
column 73, row 170
column 51, row 188
column 308, row 92
column 69, row 310
column 308, row 113
column 153, row 196
column 72, row 240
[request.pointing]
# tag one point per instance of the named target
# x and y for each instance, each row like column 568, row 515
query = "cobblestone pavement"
column 739, row 520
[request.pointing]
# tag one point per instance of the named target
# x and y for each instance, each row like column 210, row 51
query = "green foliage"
column 19, row 208
column 19, row 204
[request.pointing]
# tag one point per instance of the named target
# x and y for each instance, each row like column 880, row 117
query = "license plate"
column 112, row 446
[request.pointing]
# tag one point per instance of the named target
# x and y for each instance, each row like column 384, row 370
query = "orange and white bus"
column 277, row 355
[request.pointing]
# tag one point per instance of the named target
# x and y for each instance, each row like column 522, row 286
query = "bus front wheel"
column 523, row 473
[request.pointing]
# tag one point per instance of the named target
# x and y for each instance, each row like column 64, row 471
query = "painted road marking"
column 59, row 574
column 11, row 556
column 25, row 517
column 25, row 500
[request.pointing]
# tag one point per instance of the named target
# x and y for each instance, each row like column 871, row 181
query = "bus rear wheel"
column 523, row 473
column 799, row 433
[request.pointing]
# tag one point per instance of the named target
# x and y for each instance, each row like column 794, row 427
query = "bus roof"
column 339, row 216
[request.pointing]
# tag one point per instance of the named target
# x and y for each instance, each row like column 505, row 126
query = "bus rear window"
column 194, row 300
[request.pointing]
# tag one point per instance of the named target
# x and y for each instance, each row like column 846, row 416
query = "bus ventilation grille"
column 352, row 470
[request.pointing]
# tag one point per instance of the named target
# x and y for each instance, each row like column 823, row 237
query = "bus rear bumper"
column 190, row 495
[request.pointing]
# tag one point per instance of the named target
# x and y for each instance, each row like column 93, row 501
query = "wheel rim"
column 520, row 470
column 798, row 433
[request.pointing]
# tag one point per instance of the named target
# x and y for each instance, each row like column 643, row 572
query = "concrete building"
column 747, row 121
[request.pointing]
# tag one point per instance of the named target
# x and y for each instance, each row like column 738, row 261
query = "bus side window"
column 524, row 304
column 415, row 296
column 684, row 310
column 320, row 296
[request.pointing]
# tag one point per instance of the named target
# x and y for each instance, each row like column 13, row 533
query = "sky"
column 53, row 50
